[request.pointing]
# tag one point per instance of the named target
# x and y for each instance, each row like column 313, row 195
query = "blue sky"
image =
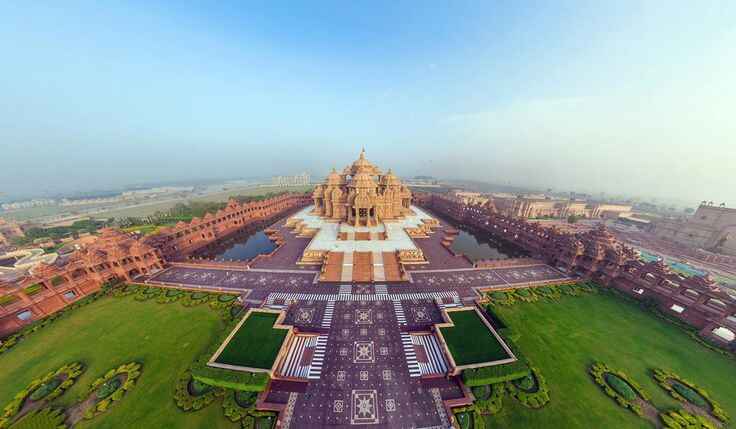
column 627, row 97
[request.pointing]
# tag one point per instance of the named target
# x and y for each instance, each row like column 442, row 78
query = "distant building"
column 470, row 198
column 298, row 180
column 533, row 206
column 712, row 228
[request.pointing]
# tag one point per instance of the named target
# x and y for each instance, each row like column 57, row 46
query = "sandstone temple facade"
column 362, row 195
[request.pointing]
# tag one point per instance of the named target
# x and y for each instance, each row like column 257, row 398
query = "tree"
column 572, row 219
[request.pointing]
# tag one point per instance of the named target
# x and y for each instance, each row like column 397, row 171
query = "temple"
column 361, row 195
column 361, row 226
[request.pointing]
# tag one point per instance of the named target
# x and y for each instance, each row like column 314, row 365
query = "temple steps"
column 333, row 267
column 362, row 267
column 391, row 270
column 347, row 267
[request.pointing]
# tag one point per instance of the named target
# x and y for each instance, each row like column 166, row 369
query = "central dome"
column 361, row 195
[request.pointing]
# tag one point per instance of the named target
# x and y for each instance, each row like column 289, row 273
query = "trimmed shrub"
column 226, row 298
column 192, row 395
column 248, row 381
column 527, row 383
column 481, row 392
column 47, row 418
column 681, row 419
column 501, row 298
column 111, row 388
column 493, row 403
column 195, row 298
column 495, row 374
column 532, row 391
column 44, row 389
column 68, row 373
column 146, row 293
column 234, row 408
column 619, row 387
column 197, row 388
column 689, row 394
column 108, row 388
column 685, row 391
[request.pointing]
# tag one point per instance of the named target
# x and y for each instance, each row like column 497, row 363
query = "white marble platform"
column 396, row 236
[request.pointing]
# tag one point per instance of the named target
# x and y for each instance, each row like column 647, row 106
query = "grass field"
column 166, row 338
column 470, row 341
column 562, row 339
column 255, row 344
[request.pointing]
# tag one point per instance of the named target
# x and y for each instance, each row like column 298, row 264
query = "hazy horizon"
column 630, row 98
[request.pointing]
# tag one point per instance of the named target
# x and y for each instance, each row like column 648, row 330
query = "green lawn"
column 470, row 341
column 256, row 343
column 562, row 339
column 166, row 338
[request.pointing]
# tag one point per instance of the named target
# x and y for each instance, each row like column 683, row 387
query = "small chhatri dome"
column 333, row 178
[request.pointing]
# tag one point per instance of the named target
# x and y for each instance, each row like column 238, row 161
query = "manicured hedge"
column 495, row 374
column 44, row 389
column 614, row 387
column 108, row 388
column 146, row 293
column 234, row 408
column 473, row 418
column 620, row 386
column 106, row 391
column 57, row 280
column 188, row 400
column 67, row 375
column 532, row 294
column 237, row 380
column 686, row 391
column 532, row 391
column 494, row 402
column 47, row 418
column 692, row 396
column 681, row 419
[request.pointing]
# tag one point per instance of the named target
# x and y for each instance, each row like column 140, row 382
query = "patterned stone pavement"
column 365, row 379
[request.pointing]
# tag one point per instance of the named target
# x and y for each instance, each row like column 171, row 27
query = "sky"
column 633, row 98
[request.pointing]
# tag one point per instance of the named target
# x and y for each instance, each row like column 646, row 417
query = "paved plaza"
column 370, row 376
column 361, row 353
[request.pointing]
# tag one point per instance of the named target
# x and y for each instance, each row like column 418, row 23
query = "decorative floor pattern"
column 327, row 317
column 294, row 365
column 318, row 359
column 411, row 355
column 435, row 359
column 285, row 296
column 399, row 310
